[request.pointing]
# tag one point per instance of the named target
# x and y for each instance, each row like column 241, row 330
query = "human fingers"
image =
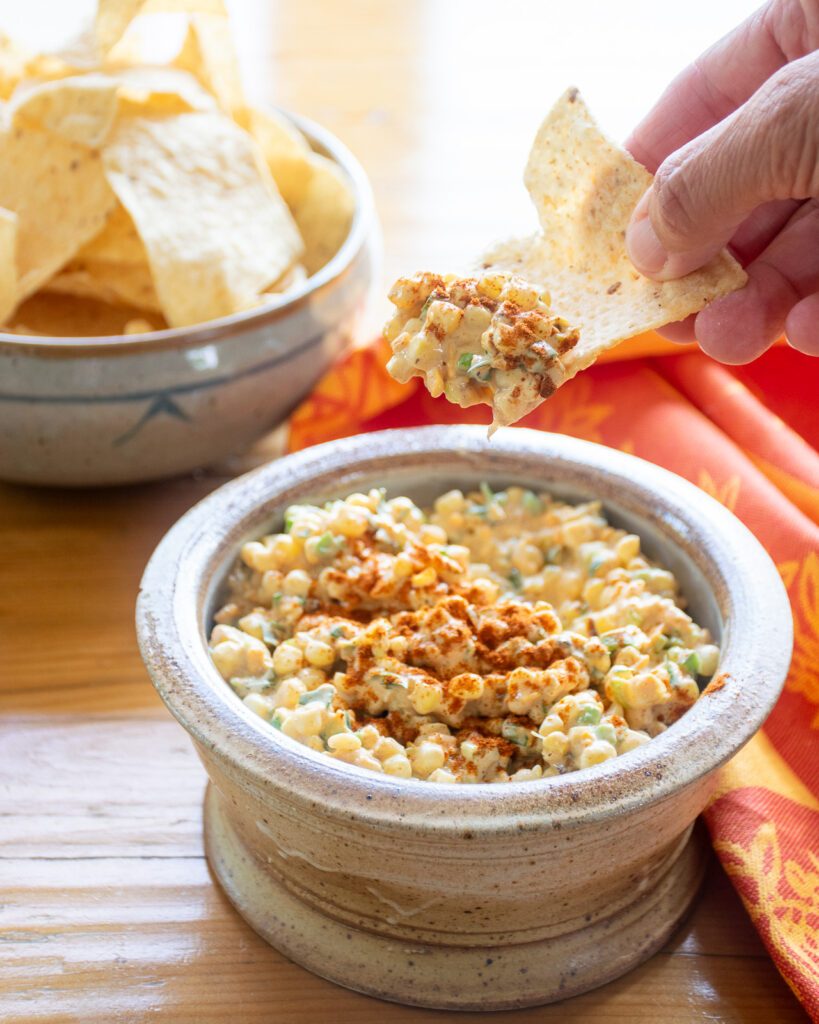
column 741, row 326
column 724, row 77
column 802, row 325
column 682, row 331
column 767, row 150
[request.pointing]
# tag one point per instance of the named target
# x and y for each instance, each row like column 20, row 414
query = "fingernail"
column 645, row 249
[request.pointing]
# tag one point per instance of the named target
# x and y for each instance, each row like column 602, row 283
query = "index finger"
column 722, row 79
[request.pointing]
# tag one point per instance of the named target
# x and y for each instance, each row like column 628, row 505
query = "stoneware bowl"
column 475, row 896
column 112, row 410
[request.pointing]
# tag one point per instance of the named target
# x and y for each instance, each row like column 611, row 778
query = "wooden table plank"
column 107, row 910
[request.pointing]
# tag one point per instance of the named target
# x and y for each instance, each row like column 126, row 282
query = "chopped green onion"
column 289, row 519
column 487, row 492
column 515, row 734
column 596, row 563
column 465, row 360
column 433, row 297
column 674, row 674
column 322, row 694
column 553, row 553
column 617, row 686
column 515, row 578
column 589, row 715
column 476, row 510
column 480, row 368
column 606, row 731
column 272, row 633
column 276, row 720
column 337, row 632
column 692, row 663
column 532, row 504
column 611, row 643
column 328, row 544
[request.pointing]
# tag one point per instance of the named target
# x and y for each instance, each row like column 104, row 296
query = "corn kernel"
column 365, row 760
column 288, row 692
column 319, row 654
column 425, row 578
column 387, row 747
column 350, row 521
column 596, row 753
column 425, row 698
column 491, row 285
column 426, row 757
column 287, row 659
column 262, row 706
column 296, row 583
column 628, row 547
column 398, row 765
column 312, row 677
column 555, row 747
column 369, row 736
column 527, row 558
column 344, row 742
column 402, row 566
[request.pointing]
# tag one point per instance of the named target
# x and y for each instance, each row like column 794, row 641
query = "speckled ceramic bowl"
column 467, row 897
column 112, row 410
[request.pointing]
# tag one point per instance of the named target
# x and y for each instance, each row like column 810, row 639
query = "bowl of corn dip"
column 494, row 636
column 460, row 703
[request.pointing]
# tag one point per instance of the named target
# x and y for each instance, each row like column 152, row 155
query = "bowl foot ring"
column 450, row 977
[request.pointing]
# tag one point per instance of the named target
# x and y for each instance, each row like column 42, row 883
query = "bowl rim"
column 756, row 646
column 321, row 140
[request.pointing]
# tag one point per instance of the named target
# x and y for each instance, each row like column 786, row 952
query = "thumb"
column 767, row 149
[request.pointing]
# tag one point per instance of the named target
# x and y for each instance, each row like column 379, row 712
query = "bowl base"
column 451, row 977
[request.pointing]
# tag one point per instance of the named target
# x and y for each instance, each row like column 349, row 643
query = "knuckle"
column 790, row 105
column 674, row 205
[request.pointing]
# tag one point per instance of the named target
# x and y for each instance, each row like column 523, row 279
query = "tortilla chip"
column 117, row 242
column 215, row 229
column 113, row 17
column 324, row 212
column 60, row 194
column 284, row 148
column 585, row 189
column 67, row 316
column 158, row 90
column 292, row 278
column 13, row 64
column 117, row 283
column 8, row 263
column 78, row 109
column 207, row 53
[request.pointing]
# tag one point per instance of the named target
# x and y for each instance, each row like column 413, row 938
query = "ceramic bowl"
column 474, row 896
column 112, row 410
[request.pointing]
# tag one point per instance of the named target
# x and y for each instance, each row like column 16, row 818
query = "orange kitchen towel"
column 748, row 437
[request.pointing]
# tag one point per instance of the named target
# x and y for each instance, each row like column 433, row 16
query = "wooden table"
column 107, row 909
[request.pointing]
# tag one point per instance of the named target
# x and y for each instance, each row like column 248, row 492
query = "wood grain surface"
column 107, row 910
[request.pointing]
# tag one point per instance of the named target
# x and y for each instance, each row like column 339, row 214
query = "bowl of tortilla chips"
column 177, row 268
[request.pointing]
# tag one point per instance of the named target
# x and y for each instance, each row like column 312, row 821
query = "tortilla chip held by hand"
column 584, row 189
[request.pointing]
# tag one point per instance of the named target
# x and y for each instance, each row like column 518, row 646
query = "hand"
column 734, row 141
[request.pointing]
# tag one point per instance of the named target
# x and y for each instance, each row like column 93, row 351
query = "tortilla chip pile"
column 137, row 195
